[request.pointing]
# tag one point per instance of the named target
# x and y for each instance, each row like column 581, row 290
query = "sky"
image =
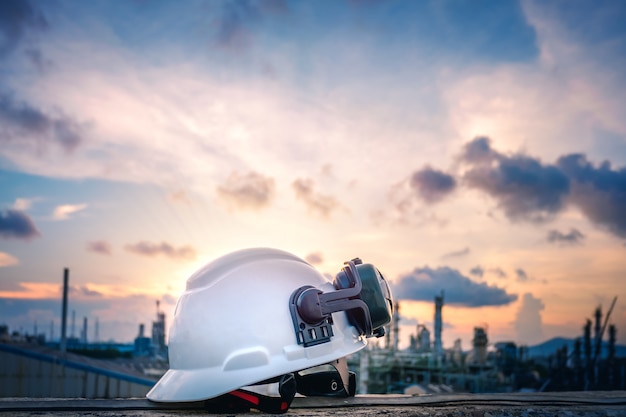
column 472, row 147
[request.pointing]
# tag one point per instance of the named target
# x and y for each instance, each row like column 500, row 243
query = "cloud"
column 84, row 290
column 528, row 320
column 478, row 271
column 599, row 192
column 17, row 17
column 99, row 246
column 169, row 299
column 64, row 211
column 456, row 254
column 522, row 276
column 153, row 249
column 249, row 191
column 118, row 317
column 572, row 238
column 426, row 186
column 238, row 19
column 499, row 272
column 424, row 283
column 314, row 258
column 7, row 260
column 317, row 203
column 17, row 224
column 525, row 188
column 479, row 151
column 431, row 185
column 32, row 129
column 38, row 60
column 22, row 204
column 407, row 207
column 30, row 290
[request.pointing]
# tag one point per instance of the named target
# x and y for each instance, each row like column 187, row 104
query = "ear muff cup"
column 375, row 293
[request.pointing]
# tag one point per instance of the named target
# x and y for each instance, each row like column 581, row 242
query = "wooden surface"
column 572, row 404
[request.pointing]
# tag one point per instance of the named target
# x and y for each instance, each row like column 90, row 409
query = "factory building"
column 37, row 371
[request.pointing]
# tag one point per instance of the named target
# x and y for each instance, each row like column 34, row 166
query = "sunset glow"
column 476, row 148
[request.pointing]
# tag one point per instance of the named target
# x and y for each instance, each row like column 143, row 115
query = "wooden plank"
column 564, row 400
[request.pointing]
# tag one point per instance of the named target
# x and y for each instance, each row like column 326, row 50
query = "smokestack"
column 438, row 348
column 73, row 332
column 396, row 327
column 85, row 331
column 66, row 277
column 598, row 325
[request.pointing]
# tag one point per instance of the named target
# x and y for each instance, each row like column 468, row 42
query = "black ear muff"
column 374, row 292
column 361, row 291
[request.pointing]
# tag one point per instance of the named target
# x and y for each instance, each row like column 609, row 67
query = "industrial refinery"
column 95, row 369
column 425, row 367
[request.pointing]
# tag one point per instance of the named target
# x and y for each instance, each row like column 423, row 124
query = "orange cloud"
column 7, row 260
column 34, row 290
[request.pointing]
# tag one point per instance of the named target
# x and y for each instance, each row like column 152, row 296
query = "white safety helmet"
column 259, row 314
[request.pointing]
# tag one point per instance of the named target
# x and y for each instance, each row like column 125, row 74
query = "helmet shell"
column 232, row 326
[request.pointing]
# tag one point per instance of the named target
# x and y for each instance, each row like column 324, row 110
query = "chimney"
column 63, row 344
column 438, row 348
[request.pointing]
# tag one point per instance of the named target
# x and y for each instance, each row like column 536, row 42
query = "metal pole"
column 66, row 277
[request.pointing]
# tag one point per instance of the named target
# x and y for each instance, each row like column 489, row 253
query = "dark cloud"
column 527, row 189
column 163, row 248
column 99, row 246
column 432, row 185
column 456, row 254
column 479, row 151
column 424, row 283
column 477, row 271
column 21, row 123
column 248, row 191
column 599, row 192
column 572, row 238
column 528, row 322
column 314, row 258
column 522, row 276
column 17, row 19
column 524, row 188
column 318, row 203
column 17, row 224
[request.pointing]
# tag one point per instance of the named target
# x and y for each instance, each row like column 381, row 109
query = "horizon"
column 476, row 148
column 405, row 332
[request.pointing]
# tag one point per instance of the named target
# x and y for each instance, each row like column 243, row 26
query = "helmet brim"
column 192, row 385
